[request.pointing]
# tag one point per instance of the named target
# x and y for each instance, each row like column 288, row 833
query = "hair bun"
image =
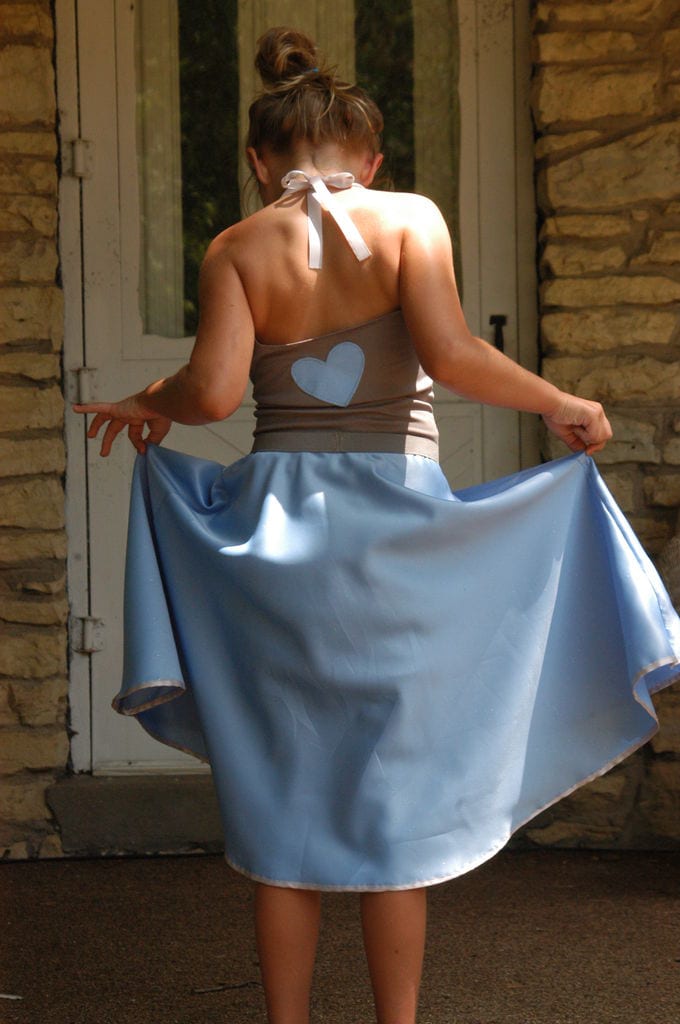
column 285, row 55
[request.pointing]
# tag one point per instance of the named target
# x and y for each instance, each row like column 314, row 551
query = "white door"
column 136, row 304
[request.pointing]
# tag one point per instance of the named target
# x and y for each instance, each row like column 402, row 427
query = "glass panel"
column 208, row 73
column 187, row 146
column 384, row 63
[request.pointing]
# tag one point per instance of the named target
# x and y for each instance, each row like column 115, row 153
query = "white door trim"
column 70, row 258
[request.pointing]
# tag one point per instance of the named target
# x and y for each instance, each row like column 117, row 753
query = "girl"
column 386, row 679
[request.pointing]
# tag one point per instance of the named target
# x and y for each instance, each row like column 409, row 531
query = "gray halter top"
column 359, row 389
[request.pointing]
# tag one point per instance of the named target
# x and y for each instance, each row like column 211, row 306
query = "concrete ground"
column 549, row 937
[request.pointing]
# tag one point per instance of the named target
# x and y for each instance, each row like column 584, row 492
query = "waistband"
column 345, row 441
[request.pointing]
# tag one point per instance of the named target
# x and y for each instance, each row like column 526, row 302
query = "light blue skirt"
column 387, row 679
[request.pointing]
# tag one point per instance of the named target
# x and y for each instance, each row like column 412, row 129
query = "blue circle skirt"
column 387, row 679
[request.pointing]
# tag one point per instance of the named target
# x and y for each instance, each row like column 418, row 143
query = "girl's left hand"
column 130, row 413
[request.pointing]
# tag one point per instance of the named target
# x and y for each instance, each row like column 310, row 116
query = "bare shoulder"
column 224, row 247
column 226, row 254
column 408, row 210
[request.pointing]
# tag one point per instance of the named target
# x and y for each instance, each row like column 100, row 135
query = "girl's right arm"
column 468, row 365
column 211, row 385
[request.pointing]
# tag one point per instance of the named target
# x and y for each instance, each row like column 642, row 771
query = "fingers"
column 112, row 431
column 135, row 435
column 98, row 422
column 157, row 430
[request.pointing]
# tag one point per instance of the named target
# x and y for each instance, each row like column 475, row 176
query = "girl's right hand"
column 580, row 423
column 131, row 413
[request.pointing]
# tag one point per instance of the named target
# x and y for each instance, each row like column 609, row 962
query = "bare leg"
column 287, row 929
column 394, row 938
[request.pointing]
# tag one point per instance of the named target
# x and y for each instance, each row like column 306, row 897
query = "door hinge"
column 78, row 158
column 87, row 634
column 83, row 375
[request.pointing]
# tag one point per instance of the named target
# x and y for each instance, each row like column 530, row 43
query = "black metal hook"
column 498, row 322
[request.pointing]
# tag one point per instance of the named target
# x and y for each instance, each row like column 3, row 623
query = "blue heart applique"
column 334, row 380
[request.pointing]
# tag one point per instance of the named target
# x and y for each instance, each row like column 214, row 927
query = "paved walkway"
column 550, row 937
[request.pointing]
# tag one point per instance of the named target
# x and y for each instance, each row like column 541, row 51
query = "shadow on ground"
column 550, row 937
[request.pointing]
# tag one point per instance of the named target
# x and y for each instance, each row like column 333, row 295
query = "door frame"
column 479, row 234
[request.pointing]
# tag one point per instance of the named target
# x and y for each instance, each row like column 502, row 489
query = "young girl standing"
column 387, row 679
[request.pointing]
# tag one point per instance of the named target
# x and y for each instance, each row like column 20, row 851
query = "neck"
column 328, row 158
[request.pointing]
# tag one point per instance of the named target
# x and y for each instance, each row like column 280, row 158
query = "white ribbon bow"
column 319, row 199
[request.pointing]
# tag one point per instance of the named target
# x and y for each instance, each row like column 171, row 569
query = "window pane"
column 187, row 146
column 384, row 63
column 208, row 72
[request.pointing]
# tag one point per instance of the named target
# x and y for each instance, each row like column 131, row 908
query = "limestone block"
column 552, row 143
column 607, row 13
column 26, row 545
column 26, row 19
column 565, row 94
column 593, row 225
column 591, row 330
column 595, row 813
column 672, row 97
column 55, row 585
column 561, row 47
column 40, row 702
column 667, row 704
column 8, row 714
column 37, row 749
column 51, row 611
column 607, row 378
column 653, row 533
column 33, row 455
column 659, row 800
column 28, row 213
column 26, row 86
column 633, row 441
column 28, row 259
column 651, row 289
column 622, row 486
column 665, row 248
column 671, row 452
column 670, row 44
column 32, row 503
column 14, row 851
column 32, row 313
column 22, row 797
column 31, row 655
column 33, row 365
column 563, row 259
column 663, row 490
column 51, row 846
column 668, row 565
column 641, row 166
column 36, row 455
column 27, row 175
column 30, row 408
column 30, row 142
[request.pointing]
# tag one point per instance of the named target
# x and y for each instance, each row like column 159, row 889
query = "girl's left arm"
column 211, row 385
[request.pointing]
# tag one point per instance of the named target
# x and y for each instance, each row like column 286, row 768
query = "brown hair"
column 303, row 99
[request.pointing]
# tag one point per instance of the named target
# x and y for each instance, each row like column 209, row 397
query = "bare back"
column 288, row 300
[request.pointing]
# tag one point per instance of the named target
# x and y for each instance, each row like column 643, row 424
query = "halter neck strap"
column 318, row 199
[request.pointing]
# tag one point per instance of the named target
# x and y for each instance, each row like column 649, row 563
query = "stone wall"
column 606, row 100
column 33, row 609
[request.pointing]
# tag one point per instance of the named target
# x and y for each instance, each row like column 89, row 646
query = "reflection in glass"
column 208, row 73
column 384, row 63
column 187, row 146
